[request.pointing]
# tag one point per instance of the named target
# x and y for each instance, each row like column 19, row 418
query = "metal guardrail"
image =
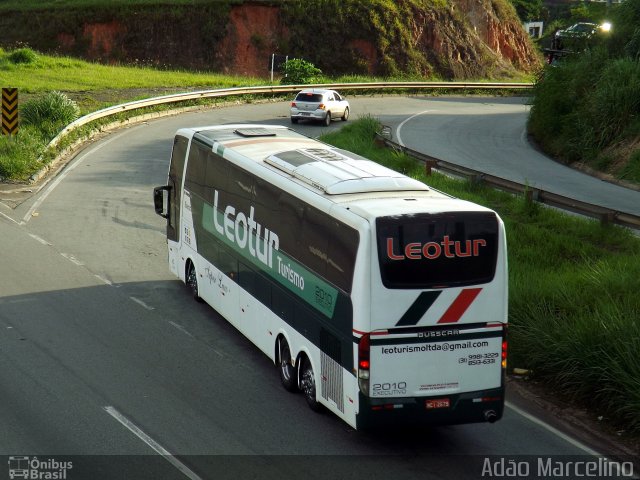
column 280, row 89
column 605, row 215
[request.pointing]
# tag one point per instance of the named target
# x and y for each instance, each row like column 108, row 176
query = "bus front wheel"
column 308, row 385
column 192, row 281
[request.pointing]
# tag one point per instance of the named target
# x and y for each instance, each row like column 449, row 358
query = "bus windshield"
column 437, row 250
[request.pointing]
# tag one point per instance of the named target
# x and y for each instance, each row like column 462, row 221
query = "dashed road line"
column 181, row 328
column 40, row 240
column 72, row 259
column 9, row 218
column 104, row 280
column 142, row 304
column 159, row 449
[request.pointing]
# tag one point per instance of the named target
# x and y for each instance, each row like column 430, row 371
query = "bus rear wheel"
column 308, row 385
column 285, row 366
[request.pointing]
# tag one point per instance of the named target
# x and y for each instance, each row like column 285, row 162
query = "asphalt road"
column 489, row 135
column 107, row 359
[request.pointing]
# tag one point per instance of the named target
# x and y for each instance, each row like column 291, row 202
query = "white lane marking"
column 181, row 328
column 104, row 280
column 142, row 304
column 554, row 430
column 61, row 177
column 524, row 136
column 159, row 449
column 398, row 136
column 40, row 239
column 9, row 218
column 72, row 259
column 186, row 332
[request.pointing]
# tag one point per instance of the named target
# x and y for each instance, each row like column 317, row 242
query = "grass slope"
column 92, row 86
column 90, row 82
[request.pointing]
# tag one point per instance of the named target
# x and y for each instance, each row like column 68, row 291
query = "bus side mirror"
column 161, row 201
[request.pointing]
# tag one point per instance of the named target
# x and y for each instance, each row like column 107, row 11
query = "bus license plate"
column 437, row 403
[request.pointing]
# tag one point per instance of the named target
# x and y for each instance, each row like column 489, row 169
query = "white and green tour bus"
column 381, row 299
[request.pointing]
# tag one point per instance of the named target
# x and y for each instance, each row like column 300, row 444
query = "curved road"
column 489, row 135
column 105, row 353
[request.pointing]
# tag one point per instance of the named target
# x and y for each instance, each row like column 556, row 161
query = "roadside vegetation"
column 94, row 86
column 584, row 108
column 574, row 314
column 54, row 91
column 43, row 79
column 61, row 4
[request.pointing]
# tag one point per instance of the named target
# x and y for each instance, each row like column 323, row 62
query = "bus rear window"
column 437, row 250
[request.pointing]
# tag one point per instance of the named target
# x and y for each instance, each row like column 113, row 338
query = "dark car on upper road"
column 575, row 34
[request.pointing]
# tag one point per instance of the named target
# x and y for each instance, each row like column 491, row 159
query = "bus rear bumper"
column 470, row 407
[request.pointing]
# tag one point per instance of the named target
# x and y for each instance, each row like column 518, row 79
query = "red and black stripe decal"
column 418, row 308
column 425, row 300
column 460, row 305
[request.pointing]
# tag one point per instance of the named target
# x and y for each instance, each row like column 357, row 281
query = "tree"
column 529, row 10
column 298, row 71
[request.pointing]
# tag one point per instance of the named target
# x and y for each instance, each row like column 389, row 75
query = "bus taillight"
column 364, row 348
column 504, row 354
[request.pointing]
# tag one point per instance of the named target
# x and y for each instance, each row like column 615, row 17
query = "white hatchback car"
column 319, row 105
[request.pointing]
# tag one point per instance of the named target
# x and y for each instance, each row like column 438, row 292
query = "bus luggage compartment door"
column 436, row 361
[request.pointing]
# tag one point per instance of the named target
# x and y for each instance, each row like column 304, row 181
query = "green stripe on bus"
column 285, row 270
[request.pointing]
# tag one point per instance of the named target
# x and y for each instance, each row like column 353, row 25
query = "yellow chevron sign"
column 9, row 111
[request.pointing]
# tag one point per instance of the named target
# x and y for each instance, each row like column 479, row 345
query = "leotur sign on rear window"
column 438, row 250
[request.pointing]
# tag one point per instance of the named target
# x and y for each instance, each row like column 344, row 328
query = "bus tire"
column 285, row 366
column 191, row 279
column 308, row 385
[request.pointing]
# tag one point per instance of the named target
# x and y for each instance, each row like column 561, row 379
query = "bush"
column 50, row 113
column 17, row 153
column 298, row 71
column 23, row 55
column 631, row 171
column 584, row 108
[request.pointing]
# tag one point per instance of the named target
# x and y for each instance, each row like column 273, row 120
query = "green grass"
column 65, row 74
column 91, row 86
column 573, row 289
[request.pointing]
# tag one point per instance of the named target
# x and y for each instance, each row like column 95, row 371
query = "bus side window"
column 209, row 247
column 342, row 252
column 247, row 278
column 282, row 304
column 216, row 178
column 315, row 239
column 292, row 209
column 228, row 264
column 195, row 180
